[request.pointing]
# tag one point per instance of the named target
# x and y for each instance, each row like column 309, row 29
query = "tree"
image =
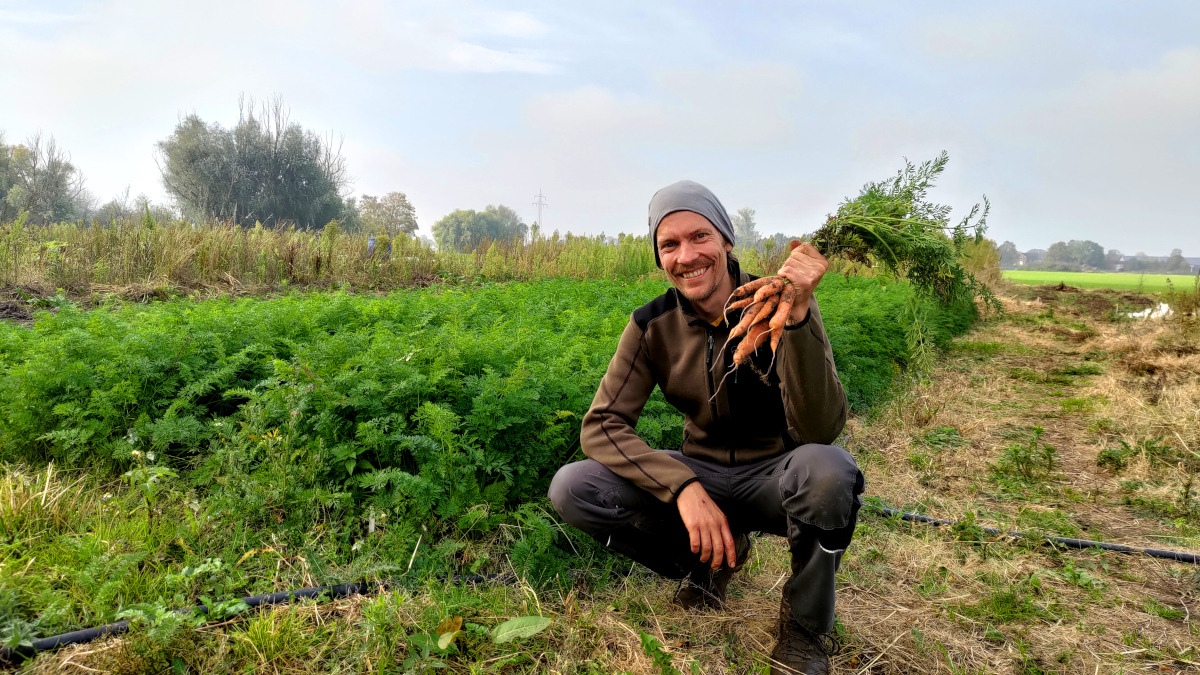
column 121, row 207
column 1112, row 258
column 745, row 228
column 1060, row 253
column 1177, row 263
column 1087, row 253
column 266, row 169
column 1010, row 257
column 40, row 178
column 1075, row 253
column 510, row 227
column 465, row 229
column 6, row 177
column 392, row 214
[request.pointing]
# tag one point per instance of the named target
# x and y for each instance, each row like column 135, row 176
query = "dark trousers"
column 809, row 495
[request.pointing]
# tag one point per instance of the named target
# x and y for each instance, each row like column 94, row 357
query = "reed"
column 81, row 258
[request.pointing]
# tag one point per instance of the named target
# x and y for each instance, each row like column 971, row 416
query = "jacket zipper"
column 712, row 398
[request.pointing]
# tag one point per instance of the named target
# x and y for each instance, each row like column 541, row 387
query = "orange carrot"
column 748, row 315
column 744, row 302
column 751, row 287
column 754, row 338
column 765, row 310
column 784, row 307
column 771, row 288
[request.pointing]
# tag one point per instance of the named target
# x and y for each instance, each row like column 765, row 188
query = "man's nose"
column 687, row 253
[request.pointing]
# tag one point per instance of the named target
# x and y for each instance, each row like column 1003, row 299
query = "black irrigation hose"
column 1178, row 556
column 7, row 654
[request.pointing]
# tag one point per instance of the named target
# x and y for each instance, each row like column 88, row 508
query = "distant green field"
column 1149, row 283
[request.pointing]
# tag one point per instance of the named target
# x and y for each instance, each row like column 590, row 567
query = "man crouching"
column 755, row 455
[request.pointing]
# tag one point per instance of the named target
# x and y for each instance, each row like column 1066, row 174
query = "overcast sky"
column 1077, row 119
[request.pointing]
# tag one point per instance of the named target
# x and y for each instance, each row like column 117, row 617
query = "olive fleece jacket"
column 666, row 344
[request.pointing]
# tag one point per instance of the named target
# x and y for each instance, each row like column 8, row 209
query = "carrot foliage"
column 893, row 224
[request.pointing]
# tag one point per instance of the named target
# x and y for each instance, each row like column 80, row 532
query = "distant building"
column 1034, row 256
column 1193, row 262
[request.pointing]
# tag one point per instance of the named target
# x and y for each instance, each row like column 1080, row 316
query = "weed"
column 1012, row 602
column 1053, row 521
column 981, row 348
column 1078, row 576
column 933, row 582
column 943, row 438
column 1028, row 462
column 1115, row 458
column 920, row 460
column 1129, row 486
column 1076, row 405
column 1152, row 606
column 661, row 659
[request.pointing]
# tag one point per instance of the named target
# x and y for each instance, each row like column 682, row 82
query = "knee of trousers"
column 576, row 493
column 820, row 486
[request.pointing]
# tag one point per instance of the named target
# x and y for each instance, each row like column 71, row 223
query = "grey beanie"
column 691, row 196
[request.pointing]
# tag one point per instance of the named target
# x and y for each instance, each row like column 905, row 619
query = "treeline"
column 266, row 169
column 1089, row 256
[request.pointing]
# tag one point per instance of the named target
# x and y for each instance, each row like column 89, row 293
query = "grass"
column 1144, row 283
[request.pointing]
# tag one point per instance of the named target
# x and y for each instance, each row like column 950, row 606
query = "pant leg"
column 623, row 517
column 821, row 488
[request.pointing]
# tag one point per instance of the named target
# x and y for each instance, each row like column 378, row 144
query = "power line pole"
column 540, row 204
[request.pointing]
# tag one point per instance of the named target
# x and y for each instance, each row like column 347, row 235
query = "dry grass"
column 913, row 598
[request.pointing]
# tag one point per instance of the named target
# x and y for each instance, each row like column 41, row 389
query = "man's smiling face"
column 693, row 254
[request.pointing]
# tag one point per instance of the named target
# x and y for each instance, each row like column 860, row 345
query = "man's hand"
column 804, row 268
column 706, row 525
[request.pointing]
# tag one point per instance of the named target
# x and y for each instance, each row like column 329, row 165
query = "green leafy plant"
column 1028, row 462
column 519, row 628
column 661, row 659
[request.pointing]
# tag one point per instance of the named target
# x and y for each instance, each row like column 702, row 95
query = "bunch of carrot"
column 890, row 225
column 766, row 303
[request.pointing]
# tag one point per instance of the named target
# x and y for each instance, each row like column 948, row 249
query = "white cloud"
column 511, row 24
column 738, row 107
column 35, row 17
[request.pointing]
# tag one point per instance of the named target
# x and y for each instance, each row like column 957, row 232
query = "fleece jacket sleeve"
column 813, row 399
column 608, row 434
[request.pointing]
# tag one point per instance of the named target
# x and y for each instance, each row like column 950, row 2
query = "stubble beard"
column 700, row 295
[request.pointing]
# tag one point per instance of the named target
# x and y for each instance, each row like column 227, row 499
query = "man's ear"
column 728, row 247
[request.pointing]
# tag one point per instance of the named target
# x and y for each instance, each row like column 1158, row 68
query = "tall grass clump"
column 219, row 256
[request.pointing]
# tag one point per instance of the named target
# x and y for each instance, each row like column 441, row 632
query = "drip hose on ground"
column 1178, row 556
column 10, row 654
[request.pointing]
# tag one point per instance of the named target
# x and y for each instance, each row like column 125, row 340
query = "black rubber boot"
column 806, row 611
column 706, row 587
